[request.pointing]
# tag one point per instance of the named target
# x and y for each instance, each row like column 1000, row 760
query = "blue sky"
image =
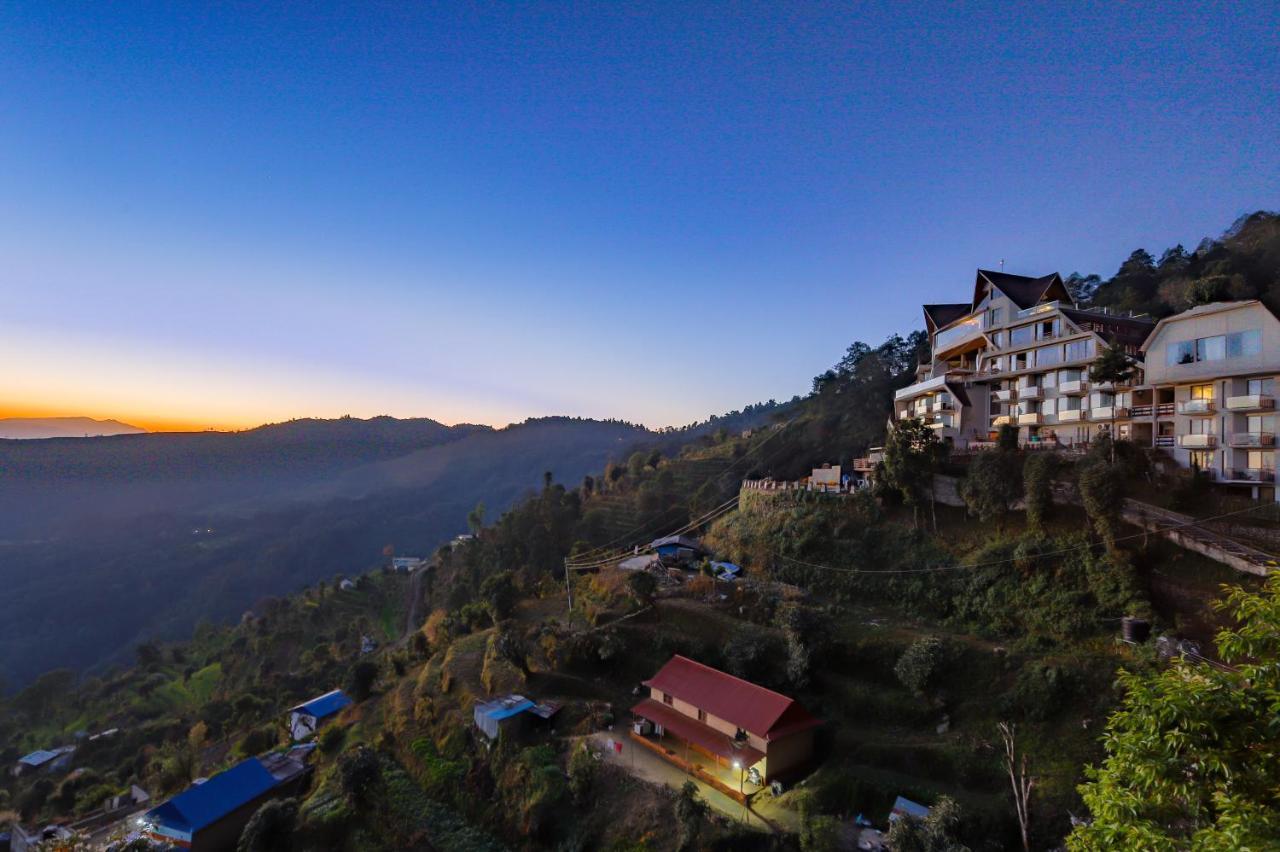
column 225, row 214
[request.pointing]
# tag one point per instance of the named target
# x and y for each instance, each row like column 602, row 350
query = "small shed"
column 309, row 717
column 406, row 564
column 501, row 714
column 210, row 816
column 677, row 549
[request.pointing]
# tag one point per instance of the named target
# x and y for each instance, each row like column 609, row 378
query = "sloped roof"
column 324, row 705
column 696, row 732
column 1024, row 291
column 938, row 316
column 678, row 541
column 38, row 757
column 205, row 804
column 753, row 708
column 1200, row 311
column 504, row 707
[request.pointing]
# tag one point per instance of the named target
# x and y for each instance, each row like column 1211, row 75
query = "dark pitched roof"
column 205, row 804
column 678, row 541
column 937, row 316
column 1024, row 291
column 753, row 708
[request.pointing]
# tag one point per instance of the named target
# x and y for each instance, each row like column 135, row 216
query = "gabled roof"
column 205, row 804
column 1024, row 291
column 753, row 708
column 38, row 757
column 937, row 316
column 678, row 541
column 504, row 707
column 1200, row 311
column 324, row 705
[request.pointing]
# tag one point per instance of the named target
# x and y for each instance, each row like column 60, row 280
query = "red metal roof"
column 757, row 710
column 696, row 732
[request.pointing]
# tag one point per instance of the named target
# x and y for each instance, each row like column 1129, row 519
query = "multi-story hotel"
column 1019, row 354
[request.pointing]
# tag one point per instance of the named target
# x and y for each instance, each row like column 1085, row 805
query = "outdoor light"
column 737, row 764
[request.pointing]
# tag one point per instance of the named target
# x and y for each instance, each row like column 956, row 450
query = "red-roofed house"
column 729, row 719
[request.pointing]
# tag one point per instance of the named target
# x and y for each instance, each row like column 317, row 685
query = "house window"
column 1202, row 391
column 667, row 700
column 702, row 715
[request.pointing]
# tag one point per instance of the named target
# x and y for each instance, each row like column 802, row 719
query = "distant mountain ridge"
column 28, row 428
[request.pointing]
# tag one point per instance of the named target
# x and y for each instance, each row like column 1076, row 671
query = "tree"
column 643, row 586
column 360, row 772
column 271, row 827
column 583, row 769
column 1102, row 490
column 691, row 811
column 993, row 481
column 1021, row 781
column 919, row 664
column 363, row 675
column 636, row 464
column 475, row 519
column 1193, row 759
column 912, row 454
column 936, row 832
column 547, row 478
column 499, row 594
column 1114, row 366
column 1037, row 483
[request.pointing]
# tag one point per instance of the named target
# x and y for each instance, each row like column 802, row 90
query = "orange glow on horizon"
column 149, row 422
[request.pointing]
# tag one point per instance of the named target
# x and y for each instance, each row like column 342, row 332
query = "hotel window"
column 1049, row 406
column 1022, row 334
column 667, row 700
column 1047, row 329
column 1261, row 387
column 1047, row 356
column 992, row 318
column 1203, row 426
column 1080, row 350
column 1183, row 352
column 1211, row 348
column 1260, row 460
column 1202, row 391
column 1262, row 424
column 1049, row 380
column 1243, row 344
column 997, row 339
column 1202, row 459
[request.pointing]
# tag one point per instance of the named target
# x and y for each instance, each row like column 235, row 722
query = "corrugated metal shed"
column 206, row 803
column 489, row 715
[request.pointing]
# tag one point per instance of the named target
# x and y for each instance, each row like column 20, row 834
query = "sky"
column 218, row 215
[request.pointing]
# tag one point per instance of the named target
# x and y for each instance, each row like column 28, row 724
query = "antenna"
column 1002, row 264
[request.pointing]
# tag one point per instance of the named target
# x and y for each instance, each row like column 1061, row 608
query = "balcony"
column 941, row 421
column 1197, row 442
column 965, row 332
column 1253, row 439
column 1252, row 475
column 1032, row 392
column 1071, row 415
column 906, row 414
column 1108, row 412
column 1072, row 388
column 1034, row 419
column 1004, row 395
column 1003, row 420
column 1251, row 402
column 1140, row 411
column 1164, row 441
column 1196, row 407
column 1112, row 387
column 1164, row 409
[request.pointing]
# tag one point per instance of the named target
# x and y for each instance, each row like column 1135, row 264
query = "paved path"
column 763, row 815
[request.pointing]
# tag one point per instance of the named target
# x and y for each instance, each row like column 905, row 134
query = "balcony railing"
column 1165, row 440
column 1034, row 419
column 1253, row 439
column 1004, row 395
column 1251, row 402
column 1253, row 475
column 1071, row 415
column 1072, row 388
column 1196, row 407
column 1032, row 392
column 1140, row 411
column 1164, row 409
column 1112, row 386
column 1197, row 442
column 1003, row 420
column 1108, row 412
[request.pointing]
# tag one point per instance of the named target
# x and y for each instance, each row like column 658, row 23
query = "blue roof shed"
column 491, row 715
column 324, row 705
column 200, row 806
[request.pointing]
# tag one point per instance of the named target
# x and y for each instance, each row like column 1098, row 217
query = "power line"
column 714, row 514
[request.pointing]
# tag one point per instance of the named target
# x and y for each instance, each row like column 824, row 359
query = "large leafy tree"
column 912, row 454
column 1193, row 753
column 1117, row 368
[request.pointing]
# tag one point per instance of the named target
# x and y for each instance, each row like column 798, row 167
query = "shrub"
column 1037, row 480
column 919, row 665
column 360, row 772
column 271, row 828
column 582, row 773
column 332, row 739
column 258, row 740
column 363, row 675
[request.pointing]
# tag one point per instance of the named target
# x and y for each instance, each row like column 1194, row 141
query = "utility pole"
column 568, row 590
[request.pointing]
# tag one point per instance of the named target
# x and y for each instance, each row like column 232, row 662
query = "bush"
column 919, row 665
column 271, row 827
column 1037, row 480
column 360, row 772
column 332, row 739
column 582, row 773
column 363, row 675
column 258, row 740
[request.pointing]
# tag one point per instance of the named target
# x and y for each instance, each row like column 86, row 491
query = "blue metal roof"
column 906, row 807
column 209, row 802
column 38, row 757
column 324, row 705
column 499, row 710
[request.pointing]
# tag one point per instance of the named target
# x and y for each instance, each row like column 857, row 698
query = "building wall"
column 1243, row 318
column 727, row 728
column 788, row 754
